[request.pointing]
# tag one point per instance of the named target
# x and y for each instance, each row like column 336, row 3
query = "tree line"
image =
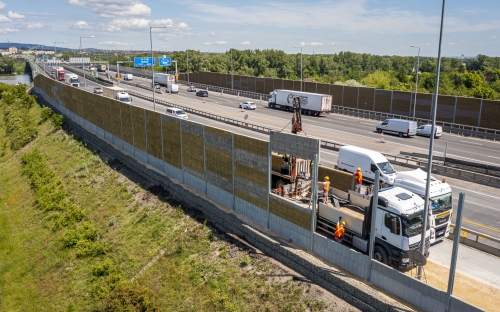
column 475, row 77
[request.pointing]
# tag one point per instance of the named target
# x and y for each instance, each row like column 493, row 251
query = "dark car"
column 202, row 93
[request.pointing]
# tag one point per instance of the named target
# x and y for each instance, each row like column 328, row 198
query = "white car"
column 176, row 112
column 248, row 105
column 191, row 89
column 425, row 130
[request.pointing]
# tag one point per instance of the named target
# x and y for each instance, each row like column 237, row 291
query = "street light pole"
column 300, row 66
column 153, row 67
column 431, row 146
column 55, row 48
column 81, row 53
column 232, row 87
column 416, row 81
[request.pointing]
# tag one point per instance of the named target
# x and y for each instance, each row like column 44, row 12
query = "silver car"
column 191, row 89
column 425, row 130
column 248, row 105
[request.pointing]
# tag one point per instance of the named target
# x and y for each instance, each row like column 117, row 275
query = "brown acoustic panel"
column 192, row 151
column 86, row 105
column 424, row 104
column 277, row 84
column 91, row 98
column 236, row 82
column 268, row 85
column 260, row 85
column 336, row 92
column 401, row 103
column 467, row 112
column 366, row 98
column 323, row 88
column 350, row 96
column 219, row 162
column 244, row 83
column 138, row 130
column 338, row 179
column 290, row 213
column 310, row 87
column 153, row 129
column 171, row 135
column 288, row 85
column 255, row 201
column 251, row 84
column 182, row 76
column 251, row 145
column 383, row 101
column 80, row 105
column 98, row 110
column 116, row 128
column 296, row 85
column 204, row 77
column 253, row 175
column 211, row 79
column 126, row 118
column 445, row 108
column 106, row 114
column 490, row 114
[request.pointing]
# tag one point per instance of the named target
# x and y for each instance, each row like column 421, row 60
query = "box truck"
column 311, row 103
column 117, row 93
column 172, row 88
column 128, row 76
column 73, row 80
column 440, row 194
column 398, row 224
column 164, row 79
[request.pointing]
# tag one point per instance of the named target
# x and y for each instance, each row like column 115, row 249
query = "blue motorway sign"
column 165, row 61
column 144, row 61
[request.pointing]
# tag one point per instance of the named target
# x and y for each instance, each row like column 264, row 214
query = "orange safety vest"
column 326, row 187
column 339, row 231
column 359, row 177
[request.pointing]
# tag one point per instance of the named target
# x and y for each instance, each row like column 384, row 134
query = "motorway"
column 481, row 213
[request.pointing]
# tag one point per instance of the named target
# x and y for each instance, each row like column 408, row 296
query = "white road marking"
column 334, row 154
column 470, row 142
column 479, row 193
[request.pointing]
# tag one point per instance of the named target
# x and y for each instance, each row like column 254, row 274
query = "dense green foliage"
column 9, row 66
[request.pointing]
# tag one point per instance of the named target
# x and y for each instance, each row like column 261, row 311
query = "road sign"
column 144, row 61
column 165, row 61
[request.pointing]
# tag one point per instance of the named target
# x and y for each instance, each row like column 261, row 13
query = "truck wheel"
column 380, row 255
column 309, row 113
column 379, row 130
column 401, row 134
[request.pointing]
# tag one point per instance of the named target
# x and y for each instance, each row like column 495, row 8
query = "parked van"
column 128, row 77
column 177, row 112
column 352, row 157
column 172, row 88
column 398, row 126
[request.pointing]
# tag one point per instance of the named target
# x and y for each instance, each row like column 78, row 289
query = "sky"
column 381, row 27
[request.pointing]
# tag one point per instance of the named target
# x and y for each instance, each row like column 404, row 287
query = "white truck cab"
column 123, row 97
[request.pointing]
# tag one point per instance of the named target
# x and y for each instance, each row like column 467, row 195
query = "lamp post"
column 431, row 146
column 84, row 80
column 300, row 66
column 232, row 87
column 187, row 65
column 153, row 67
column 416, row 81
column 55, row 48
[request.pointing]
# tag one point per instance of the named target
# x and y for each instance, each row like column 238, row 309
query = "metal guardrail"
column 481, row 241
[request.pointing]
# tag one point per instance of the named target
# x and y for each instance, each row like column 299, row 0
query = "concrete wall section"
column 296, row 145
column 291, row 212
column 338, row 179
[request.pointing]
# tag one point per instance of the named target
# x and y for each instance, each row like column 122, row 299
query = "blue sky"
column 365, row 26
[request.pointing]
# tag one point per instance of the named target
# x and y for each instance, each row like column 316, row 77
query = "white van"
column 172, row 88
column 128, row 77
column 352, row 157
column 398, row 126
column 177, row 112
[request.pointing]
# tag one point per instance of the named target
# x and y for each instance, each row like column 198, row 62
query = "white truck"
column 164, row 79
column 311, row 103
column 398, row 224
column 172, row 88
column 72, row 80
column 101, row 67
column 440, row 194
column 128, row 76
column 117, row 93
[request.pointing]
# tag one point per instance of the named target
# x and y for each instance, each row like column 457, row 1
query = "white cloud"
column 451, row 43
column 2, row 5
column 220, row 42
column 315, row 43
column 4, row 19
column 211, row 33
column 206, row 43
column 106, row 15
column 333, row 43
column 80, row 25
column 8, row 30
column 427, row 44
column 118, row 25
column 114, row 7
column 350, row 16
column 302, row 44
column 35, row 26
column 14, row 15
column 493, row 37
column 245, row 43
column 113, row 43
column 383, row 33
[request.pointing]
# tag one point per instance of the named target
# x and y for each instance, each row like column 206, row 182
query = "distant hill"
column 6, row 45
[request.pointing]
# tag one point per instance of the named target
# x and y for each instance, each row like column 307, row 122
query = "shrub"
column 128, row 296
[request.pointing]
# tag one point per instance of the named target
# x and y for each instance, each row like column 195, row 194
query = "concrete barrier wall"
column 183, row 158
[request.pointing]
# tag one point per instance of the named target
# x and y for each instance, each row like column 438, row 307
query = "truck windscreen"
column 386, row 167
column 125, row 99
column 441, row 203
column 412, row 225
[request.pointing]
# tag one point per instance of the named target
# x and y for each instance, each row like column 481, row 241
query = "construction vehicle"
column 440, row 195
column 398, row 226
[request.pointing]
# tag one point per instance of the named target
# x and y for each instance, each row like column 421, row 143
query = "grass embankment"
column 76, row 234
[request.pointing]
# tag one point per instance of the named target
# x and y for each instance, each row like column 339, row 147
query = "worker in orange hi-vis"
column 339, row 231
column 358, row 176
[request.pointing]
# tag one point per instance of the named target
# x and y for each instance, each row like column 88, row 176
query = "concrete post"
column 455, row 109
column 204, row 160
column 269, row 181
column 146, row 134
column 182, row 161
column 314, row 199
column 373, row 222
column 480, row 110
column 232, row 166
column 392, row 94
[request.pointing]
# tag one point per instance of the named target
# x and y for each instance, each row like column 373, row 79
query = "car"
column 176, row 112
column 202, row 93
column 191, row 89
column 248, row 105
column 52, row 71
column 97, row 89
column 425, row 130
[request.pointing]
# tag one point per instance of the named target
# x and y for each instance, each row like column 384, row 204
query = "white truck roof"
column 400, row 200
column 375, row 156
column 415, row 181
column 117, row 89
column 299, row 92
